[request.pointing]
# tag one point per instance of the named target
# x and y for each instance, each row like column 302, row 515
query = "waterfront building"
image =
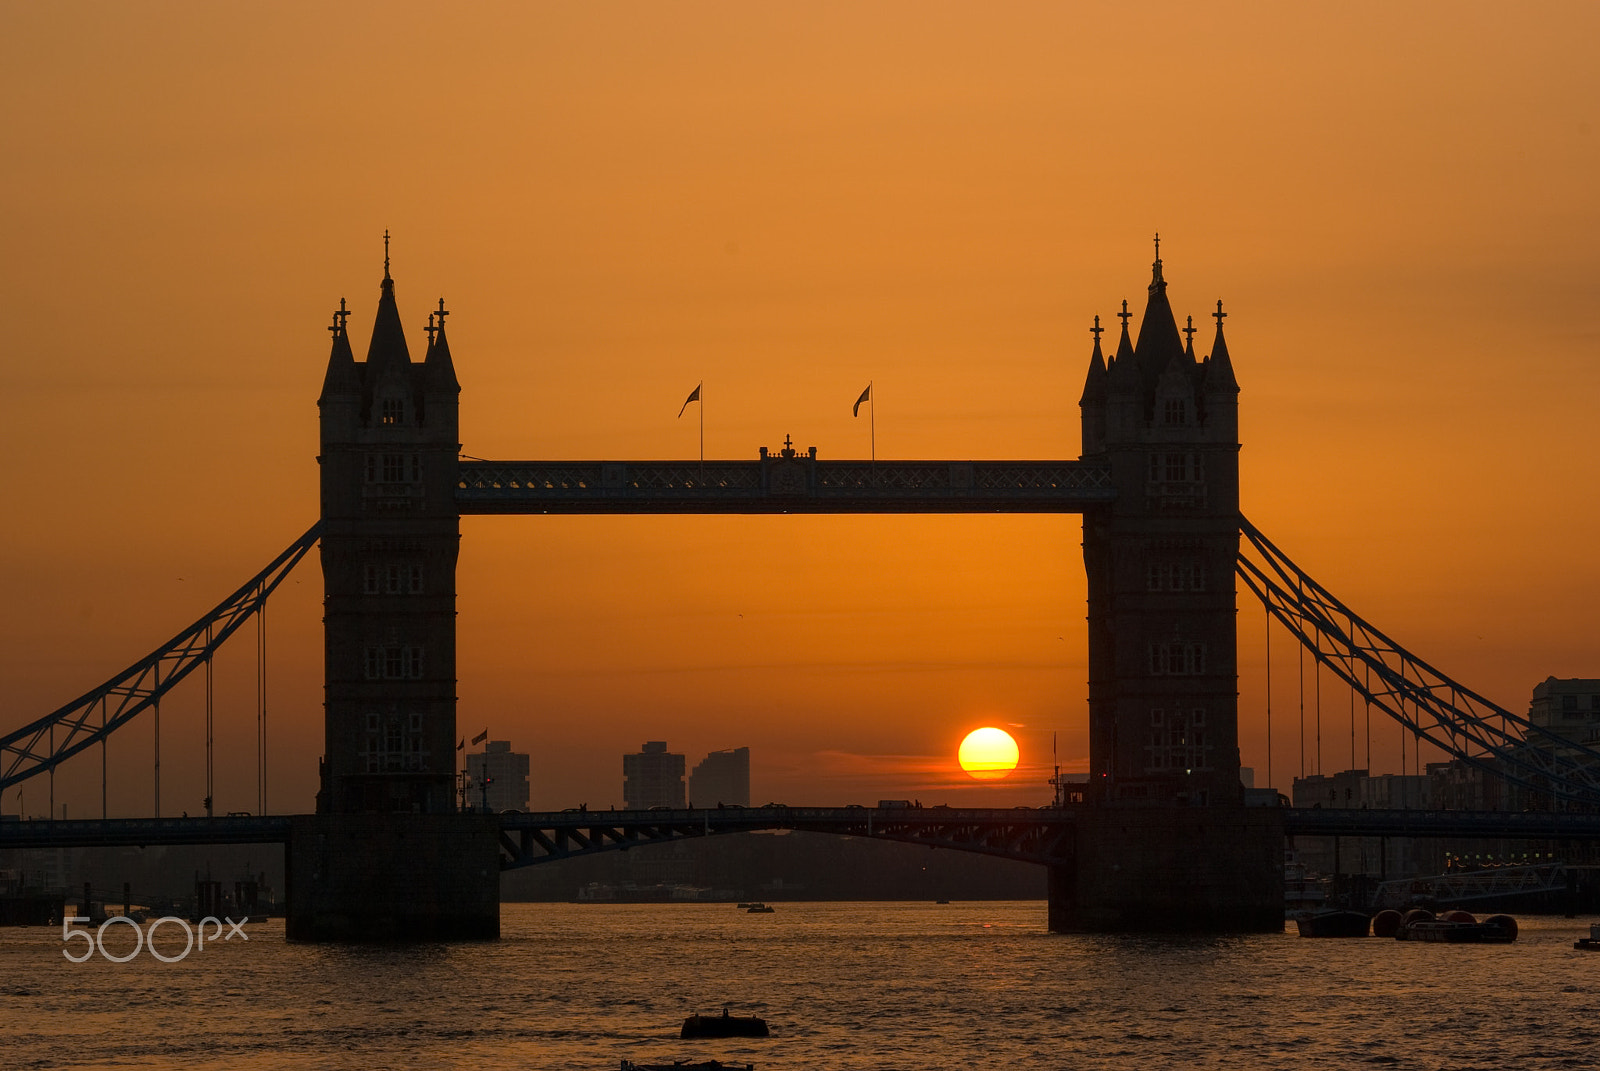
column 1333, row 790
column 1569, row 708
column 1568, row 712
column 652, row 777
column 507, row 774
column 1385, row 857
column 722, row 777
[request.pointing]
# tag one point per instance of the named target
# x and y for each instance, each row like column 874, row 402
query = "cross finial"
column 430, row 330
column 1188, row 333
column 386, row 252
column 340, row 315
column 1219, row 314
column 442, row 313
column 1158, row 246
column 1095, row 330
column 1124, row 315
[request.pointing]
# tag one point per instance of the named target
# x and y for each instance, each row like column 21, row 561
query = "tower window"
column 1175, row 576
column 394, row 468
column 394, row 411
column 1177, row 659
column 393, row 663
column 1176, row 411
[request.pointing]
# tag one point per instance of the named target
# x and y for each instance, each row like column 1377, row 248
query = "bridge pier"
column 1195, row 869
column 393, row 877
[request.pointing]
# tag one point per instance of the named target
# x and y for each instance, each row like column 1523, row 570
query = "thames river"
column 870, row 986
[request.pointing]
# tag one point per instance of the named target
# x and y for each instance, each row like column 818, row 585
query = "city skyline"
column 1405, row 249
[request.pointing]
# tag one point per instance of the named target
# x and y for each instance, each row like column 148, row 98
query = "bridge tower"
column 1166, row 835
column 390, row 534
column 1163, row 680
column 386, row 856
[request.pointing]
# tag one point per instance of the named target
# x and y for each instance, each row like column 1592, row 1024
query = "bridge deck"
column 1032, row 834
column 781, row 484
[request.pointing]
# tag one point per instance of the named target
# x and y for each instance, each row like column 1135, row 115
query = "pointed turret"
column 342, row 378
column 1122, row 374
column 438, row 370
column 1093, row 401
column 388, row 346
column 1219, row 368
column 1094, row 384
column 1158, row 331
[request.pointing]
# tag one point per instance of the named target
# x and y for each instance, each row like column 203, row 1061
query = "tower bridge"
column 1162, row 832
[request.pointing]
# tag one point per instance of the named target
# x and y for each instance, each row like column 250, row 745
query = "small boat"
column 744, row 905
column 758, row 909
column 680, row 1065
column 1590, row 943
column 724, row 1026
column 1459, row 927
column 1333, row 923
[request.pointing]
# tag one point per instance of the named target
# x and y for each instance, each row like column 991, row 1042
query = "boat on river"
column 1333, row 923
column 1456, row 928
column 724, row 1026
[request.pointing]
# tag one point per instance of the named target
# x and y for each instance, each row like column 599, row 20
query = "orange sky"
column 1395, row 201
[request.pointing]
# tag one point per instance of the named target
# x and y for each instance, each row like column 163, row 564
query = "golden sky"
column 618, row 201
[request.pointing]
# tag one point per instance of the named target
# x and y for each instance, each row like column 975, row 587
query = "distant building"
column 1463, row 786
column 1396, row 792
column 1568, row 709
column 652, row 778
column 1341, row 790
column 722, row 777
column 507, row 773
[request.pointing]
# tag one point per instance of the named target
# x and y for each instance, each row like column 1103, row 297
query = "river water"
column 849, row 986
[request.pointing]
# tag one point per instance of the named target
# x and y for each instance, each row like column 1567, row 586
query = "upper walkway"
column 787, row 482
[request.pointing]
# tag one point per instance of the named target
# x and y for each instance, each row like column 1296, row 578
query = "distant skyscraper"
column 507, row 771
column 722, row 777
column 652, row 778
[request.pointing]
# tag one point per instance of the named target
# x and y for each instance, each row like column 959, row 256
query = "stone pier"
column 1207, row 869
column 393, row 877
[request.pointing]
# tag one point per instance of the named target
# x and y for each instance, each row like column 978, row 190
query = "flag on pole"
column 462, row 745
column 694, row 396
column 481, row 737
column 866, row 396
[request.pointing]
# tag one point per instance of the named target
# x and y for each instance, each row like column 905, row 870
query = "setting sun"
column 988, row 754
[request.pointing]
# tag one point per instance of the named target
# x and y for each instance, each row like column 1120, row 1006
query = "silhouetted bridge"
column 1164, row 546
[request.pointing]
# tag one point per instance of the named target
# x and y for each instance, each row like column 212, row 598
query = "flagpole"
column 872, row 420
column 703, row 429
